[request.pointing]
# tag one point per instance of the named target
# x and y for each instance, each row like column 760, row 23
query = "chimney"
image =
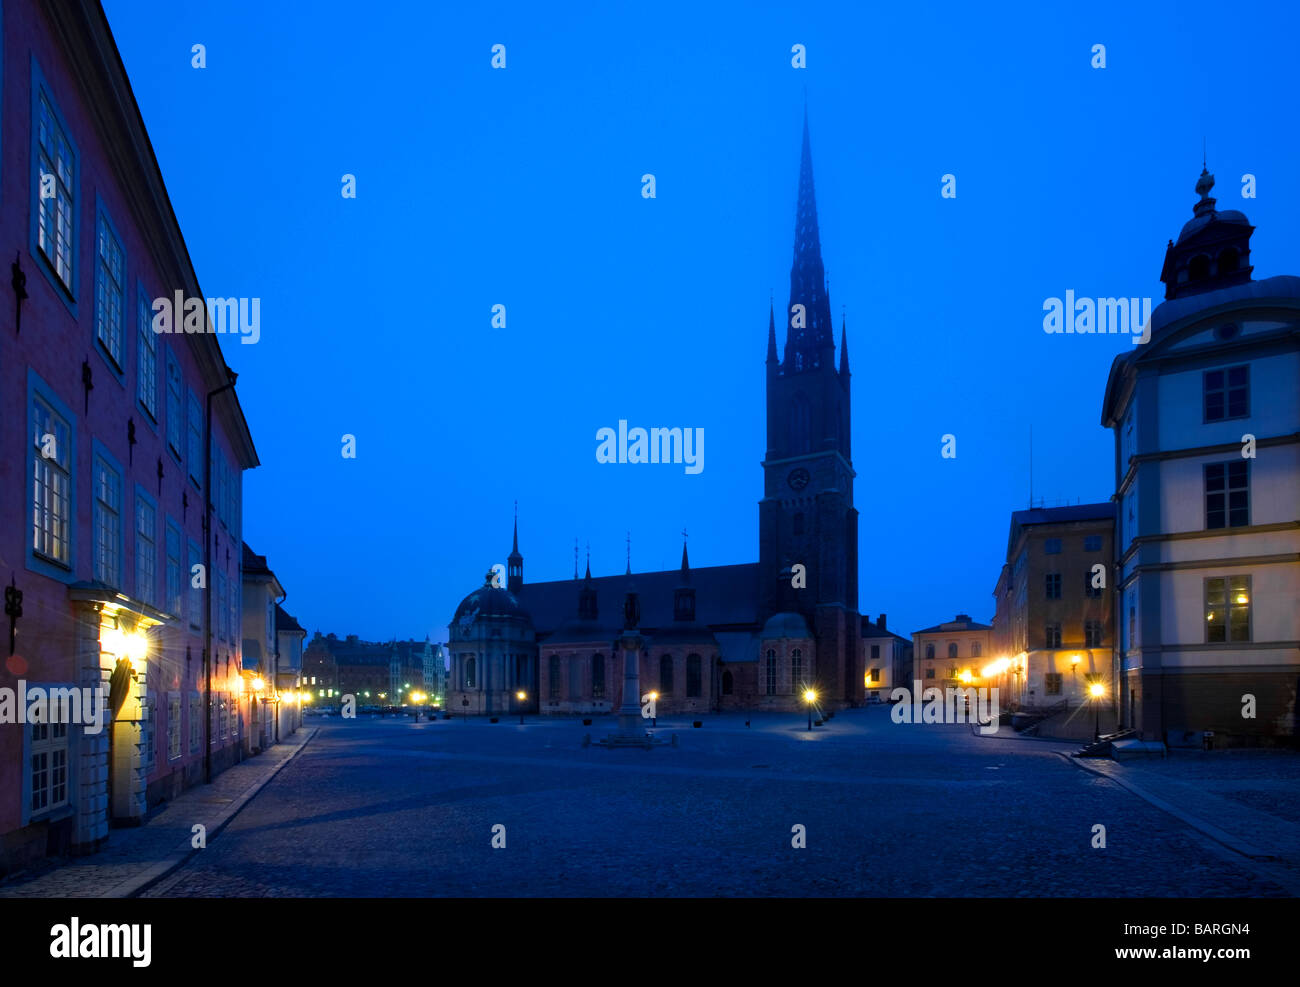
column 881, row 623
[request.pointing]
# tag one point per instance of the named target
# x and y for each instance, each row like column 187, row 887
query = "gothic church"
column 747, row 636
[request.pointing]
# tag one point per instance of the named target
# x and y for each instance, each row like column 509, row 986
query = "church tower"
column 806, row 516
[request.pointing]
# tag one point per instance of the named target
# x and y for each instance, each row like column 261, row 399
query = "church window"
column 666, row 675
column 1229, row 260
column 597, row 676
column 469, row 672
column 693, row 676
column 1199, row 268
column 553, row 676
column 796, row 670
column 771, row 673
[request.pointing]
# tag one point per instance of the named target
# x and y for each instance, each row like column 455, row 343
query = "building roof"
column 254, row 564
column 960, row 625
column 1176, row 314
column 873, row 630
column 724, row 596
column 1064, row 515
column 284, row 621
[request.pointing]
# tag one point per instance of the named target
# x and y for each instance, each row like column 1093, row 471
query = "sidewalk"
column 1246, row 801
column 137, row 857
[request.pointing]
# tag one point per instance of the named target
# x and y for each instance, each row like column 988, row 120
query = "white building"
column 1206, row 417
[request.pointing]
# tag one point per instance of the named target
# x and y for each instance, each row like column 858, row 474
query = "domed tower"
column 493, row 653
column 1213, row 248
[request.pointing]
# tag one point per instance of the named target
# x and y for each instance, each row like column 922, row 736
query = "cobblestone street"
column 389, row 807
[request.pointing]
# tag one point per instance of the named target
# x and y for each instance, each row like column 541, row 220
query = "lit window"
column 1227, row 609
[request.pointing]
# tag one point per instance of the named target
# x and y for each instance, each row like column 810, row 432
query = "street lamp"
column 809, row 697
column 1097, row 691
column 521, row 696
column 654, row 708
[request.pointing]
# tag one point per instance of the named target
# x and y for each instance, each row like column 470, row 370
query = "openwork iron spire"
column 804, row 343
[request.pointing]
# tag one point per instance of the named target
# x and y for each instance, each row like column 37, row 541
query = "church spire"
column 515, row 561
column 844, row 349
column 809, row 333
column 771, row 333
column 684, row 594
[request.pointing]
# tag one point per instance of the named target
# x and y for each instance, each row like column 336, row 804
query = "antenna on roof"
column 1031, row 466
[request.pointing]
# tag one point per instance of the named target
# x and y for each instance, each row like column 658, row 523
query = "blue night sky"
column 522, row 187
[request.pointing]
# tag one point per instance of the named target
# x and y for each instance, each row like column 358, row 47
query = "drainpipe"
column 207, row 572
column 275, row 630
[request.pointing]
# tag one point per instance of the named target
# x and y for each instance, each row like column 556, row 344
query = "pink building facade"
column 106, row 467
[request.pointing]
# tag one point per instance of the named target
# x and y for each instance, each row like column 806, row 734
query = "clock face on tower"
column 798, row 479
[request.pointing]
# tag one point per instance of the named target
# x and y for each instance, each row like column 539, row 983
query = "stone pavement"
column 1245, row 800
column 136, row 857
column 392, row 808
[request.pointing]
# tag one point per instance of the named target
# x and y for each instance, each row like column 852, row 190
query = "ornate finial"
column 575, row 556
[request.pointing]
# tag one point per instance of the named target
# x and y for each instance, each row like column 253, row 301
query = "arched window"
column 693, row 676
column 1199, row 268
column 1229, row 260
column 952, row 649
column 796, row 671
column 800, row 425
column 666, row 675
column 728, row 683
column 771, row 673
column 597, row 676
column 929, row 650
column 975, row 649
column 469, row 672
column 553, row 676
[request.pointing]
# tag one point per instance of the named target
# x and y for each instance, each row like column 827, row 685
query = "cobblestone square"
column 390, row 807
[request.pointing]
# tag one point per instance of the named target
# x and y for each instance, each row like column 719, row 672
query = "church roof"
column 724, row 595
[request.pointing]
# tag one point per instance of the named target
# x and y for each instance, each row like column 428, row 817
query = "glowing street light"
column 521, row 696
column 1097, row 692
column 809, row 697
column 654, row 708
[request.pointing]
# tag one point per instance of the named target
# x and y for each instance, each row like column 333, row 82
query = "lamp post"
column 654, row 709
column 1097, row 691
column 809, row 697
column 521, row 696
